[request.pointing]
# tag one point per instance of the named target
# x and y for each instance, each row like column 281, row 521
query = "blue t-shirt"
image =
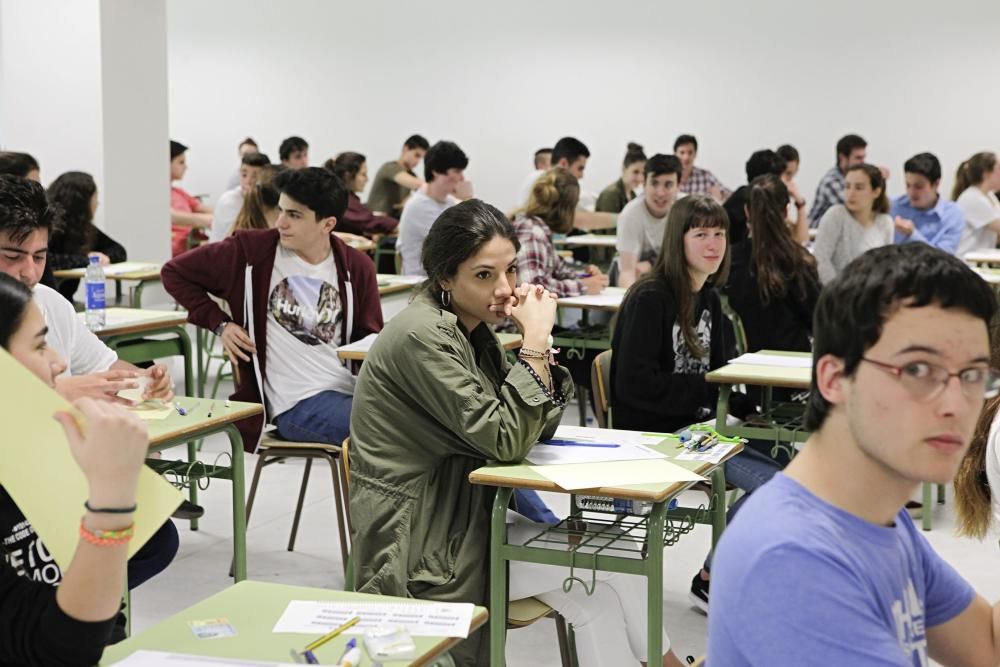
column 797, row 581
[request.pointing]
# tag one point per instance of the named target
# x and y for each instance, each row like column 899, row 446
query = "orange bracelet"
column 107, row 538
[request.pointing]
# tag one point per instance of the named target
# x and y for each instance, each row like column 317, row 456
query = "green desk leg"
column 722, row 407
column 928, row 507
column 239, row 505
column 718, row 504
column 137, row 293
column 654, row 582
column 498, row 577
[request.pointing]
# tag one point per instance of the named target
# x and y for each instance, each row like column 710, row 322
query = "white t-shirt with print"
column 980, row 209
column 639, row 232
column 83, row 352
column 304, row 320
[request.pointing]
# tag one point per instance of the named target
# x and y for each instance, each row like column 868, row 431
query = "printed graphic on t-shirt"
column 910, row 630
column 684, row 361
column 307, row 308
column 26, row 555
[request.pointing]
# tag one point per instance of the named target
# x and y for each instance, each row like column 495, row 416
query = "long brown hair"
column 553, row 199
column 877, row 181
column 262, row 197
column 973, row 497
column 691, row 212
column 972, row 172
column 778, row 260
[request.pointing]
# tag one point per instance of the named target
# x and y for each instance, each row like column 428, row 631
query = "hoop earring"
column 445, row 298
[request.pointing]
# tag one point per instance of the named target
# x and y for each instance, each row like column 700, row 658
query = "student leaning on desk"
column 436, row 399
column 70, row 625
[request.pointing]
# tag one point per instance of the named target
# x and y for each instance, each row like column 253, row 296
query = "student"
column 614, row 197
column 69, row 624
column 247, row 147
column 78, row 239
column 642, row 221
column 395, row 180
column 260, row 206
column 569, row 153
column 189, row 217
column 294, row 153
column 550, row 209
column 976, row 183
column 851, row 150
column 20, row 164
column 543, row 159
column 861, row 223
column 695, row 180
column 761, row 162
column 352, row 169
column 824, row 566
column 922, row 214
column 798, row 218
column 444, row 167
column 420, row 528
column 296, row 293
column 773, row 282
column 230, row 202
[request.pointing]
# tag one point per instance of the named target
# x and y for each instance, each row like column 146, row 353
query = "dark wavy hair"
column 72, row 193
column 24, row 208
column 14, row 299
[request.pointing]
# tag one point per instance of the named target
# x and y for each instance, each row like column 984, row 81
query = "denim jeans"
column 325, row 417
column 748, row 471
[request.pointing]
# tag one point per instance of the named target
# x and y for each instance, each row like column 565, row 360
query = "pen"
column 333, row 633
column 352, row 655
column 181, row 411
column 210, row 408
column 556, row 442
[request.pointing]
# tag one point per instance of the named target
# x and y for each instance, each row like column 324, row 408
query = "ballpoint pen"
column 557, row 442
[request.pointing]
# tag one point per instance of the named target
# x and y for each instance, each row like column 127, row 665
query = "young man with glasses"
column 823, row 566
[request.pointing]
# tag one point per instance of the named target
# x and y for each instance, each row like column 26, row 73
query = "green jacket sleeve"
column 501, row 425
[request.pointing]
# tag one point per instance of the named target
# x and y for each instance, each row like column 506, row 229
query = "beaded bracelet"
column 556, row 397
column 107, row 538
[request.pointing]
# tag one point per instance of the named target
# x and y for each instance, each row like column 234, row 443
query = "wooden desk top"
column 120, row 271
column 986, row 256
column 389, row 283
column 764, row 376
column 589, row 240
column 510, row 341
column 610, row 300
column 120, row 321
column 196, row 420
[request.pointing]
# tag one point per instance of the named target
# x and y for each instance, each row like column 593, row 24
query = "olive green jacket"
column 431, row 405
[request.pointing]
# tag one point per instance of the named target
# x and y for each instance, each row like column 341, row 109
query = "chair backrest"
column 345, row 461
column 738, row 330
column 600, row 385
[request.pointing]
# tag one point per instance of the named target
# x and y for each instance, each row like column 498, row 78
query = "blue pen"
column 557, row 442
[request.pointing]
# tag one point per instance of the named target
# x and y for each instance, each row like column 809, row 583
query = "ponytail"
column 972, row 172
column 973, row 497
column 778, row 260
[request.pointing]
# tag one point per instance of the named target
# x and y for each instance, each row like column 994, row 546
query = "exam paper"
column 758, row 359
column 616, row 473
column 430, row 619
column 543, row 455
column 393, row 279
column 610, row 297
column 585, row 433
column 161, row 659
column 362, row 345
column 712, row 455
column 38, row 470
column 129, row 267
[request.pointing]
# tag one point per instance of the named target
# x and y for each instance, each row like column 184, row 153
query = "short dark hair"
column 849, row 143
column 25, row 208
column 789, row 152
column 764, row 162
column 854, row 307
column 316, row 188
column 684, row 140
column 925, row 164
column 14, row 299
column 456, row 235
column 177, row 148
column 291, row 145
column 571, row 149
column 256, row 160
column 416, row 141
column 248, row 142
column 441, row 157
column 661, row 164
column 17, row 164
column 539, row 153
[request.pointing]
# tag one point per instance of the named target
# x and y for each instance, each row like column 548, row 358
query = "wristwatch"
column 219, row 329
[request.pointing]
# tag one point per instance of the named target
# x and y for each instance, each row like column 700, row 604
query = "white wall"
column 506, row 78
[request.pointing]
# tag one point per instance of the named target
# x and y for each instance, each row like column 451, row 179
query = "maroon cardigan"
column 359, row 220
column 220, row 269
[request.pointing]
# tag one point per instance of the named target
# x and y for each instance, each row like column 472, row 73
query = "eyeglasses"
column 926, row 381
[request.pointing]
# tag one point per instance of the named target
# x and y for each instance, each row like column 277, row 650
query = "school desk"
column 359, row 351
column 196, row 424
column 655, row 531
column 142, row 273
column 252, row 608
column 985, row 257
column 588, row 241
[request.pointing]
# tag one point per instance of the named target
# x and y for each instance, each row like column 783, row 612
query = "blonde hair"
column 263, row 197
column 553, row 199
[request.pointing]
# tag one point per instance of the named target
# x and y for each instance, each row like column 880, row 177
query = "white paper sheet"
column 161, row 659
column 712, row 455
column 586, row 433
column 542, row 454
column 595, row 240
column 758, row 359
column 393, row 279
column 362, row 345
column 616, row 473
column 129, row 267
column 433, row 619
column 611, row 297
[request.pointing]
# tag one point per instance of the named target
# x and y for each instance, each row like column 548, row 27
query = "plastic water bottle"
column 94, row 280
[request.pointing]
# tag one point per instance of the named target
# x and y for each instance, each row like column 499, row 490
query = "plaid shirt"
column 829, row 192
column 539, row 263
column 701, row 181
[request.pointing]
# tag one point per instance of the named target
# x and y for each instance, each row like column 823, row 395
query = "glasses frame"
column 992, row 388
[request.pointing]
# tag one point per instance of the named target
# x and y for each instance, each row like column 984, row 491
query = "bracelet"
column 109, row 510
column 549, row 354
column 556, row 396
column 107, row 538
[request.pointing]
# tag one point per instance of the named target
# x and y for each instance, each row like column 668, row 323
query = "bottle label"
column 95, row 296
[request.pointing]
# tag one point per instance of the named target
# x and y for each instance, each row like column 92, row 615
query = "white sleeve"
column 628, row 237
column 83, row 352
column 226, row 210
column 978, row 209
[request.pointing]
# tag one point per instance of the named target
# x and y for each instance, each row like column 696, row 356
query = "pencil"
column 333, row 633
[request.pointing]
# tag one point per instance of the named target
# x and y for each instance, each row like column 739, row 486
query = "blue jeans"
column 748, row 471
column 325, row 417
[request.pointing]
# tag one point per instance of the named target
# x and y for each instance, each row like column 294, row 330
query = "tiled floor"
column 203, row 561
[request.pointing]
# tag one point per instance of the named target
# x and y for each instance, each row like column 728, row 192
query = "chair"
column 738, row 330
column 520, row 613
column 600, row 383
